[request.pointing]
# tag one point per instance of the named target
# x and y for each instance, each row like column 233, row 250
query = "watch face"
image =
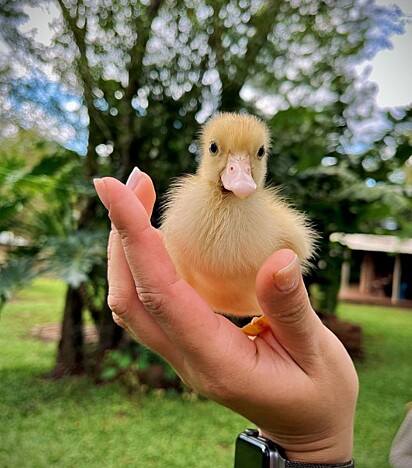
column 252, row 453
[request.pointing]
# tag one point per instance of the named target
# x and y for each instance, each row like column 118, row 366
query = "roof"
column 373, row 243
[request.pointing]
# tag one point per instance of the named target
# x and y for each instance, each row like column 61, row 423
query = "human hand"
column 295, row 381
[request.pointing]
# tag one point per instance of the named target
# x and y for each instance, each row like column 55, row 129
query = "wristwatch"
column 254, row 451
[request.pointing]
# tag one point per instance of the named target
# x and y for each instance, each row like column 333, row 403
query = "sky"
column 392, row 69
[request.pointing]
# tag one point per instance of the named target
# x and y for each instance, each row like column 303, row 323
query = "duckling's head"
column 234, row 151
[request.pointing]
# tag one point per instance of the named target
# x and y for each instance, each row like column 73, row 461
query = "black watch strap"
column 296, row 464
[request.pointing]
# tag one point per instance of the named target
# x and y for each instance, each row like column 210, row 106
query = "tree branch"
column 139, row 49
column 232, row 85
column 85, row 74
column 127, row 116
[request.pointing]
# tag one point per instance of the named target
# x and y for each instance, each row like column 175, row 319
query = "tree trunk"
column 70, row 357
column 110, row 337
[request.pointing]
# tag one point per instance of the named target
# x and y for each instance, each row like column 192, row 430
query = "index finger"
column 122, row 295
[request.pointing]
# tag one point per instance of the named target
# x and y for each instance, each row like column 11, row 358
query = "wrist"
column 332, row 450
column 254, row 450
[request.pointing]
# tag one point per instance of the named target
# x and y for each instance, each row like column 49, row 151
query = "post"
column 367, row 274
column 345, row 272
column 396, row 281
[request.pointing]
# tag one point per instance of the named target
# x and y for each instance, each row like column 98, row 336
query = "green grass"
column 385, row 379
column 73, row 423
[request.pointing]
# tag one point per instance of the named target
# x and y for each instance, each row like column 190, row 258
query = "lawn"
column 75, row 423
column 385, row 379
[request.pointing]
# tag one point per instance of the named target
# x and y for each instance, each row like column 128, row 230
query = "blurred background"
column 93, row 88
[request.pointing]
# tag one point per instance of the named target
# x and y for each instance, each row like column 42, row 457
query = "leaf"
column 73, row 257
column 124, row 361
column 50, row 165
column 109, row 373
column 16, row 273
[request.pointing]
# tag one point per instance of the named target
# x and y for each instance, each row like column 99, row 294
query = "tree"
column 364, row 192
column 145, row 72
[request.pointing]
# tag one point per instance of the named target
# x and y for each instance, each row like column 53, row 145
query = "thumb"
column 285, row 302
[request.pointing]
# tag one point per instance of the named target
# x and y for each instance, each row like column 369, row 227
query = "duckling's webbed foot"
column 256, row 326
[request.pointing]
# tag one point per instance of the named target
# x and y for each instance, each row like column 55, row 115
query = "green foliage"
column 73, row 257
column 138, row 369
column 40, row 196
column 12, row 170
column 16, row 274
column 365, row 192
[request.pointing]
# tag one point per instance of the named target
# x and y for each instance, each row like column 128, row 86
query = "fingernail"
column 134, row 177
column 100, row 187
column 288, row 277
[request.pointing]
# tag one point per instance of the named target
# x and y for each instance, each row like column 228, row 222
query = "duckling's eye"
column 213, row 148
column 261, row 152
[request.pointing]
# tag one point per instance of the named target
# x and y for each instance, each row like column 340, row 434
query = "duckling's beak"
column 237, row 176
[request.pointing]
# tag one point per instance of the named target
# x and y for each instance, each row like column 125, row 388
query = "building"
column 377, row 269
column 9, row 241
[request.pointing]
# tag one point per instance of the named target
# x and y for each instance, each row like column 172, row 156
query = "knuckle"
column 129, row 239
column 126, row 240
column 153, row 301
column 118, row 321
column 118, row 303
column 157, row 299
column 294, row 309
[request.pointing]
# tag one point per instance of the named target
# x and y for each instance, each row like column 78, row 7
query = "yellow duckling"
column 222, row 223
